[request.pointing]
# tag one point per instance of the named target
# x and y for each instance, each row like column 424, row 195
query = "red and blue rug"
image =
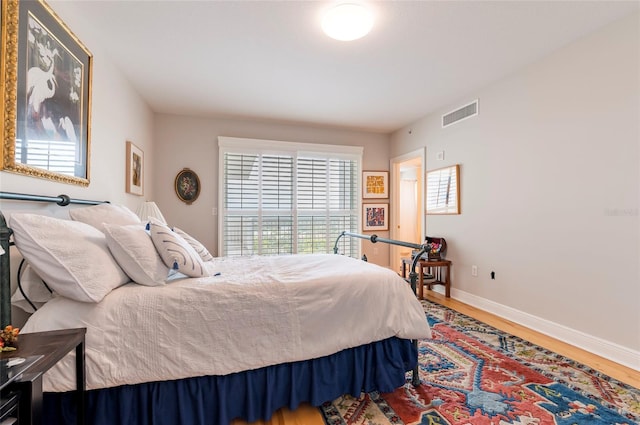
column 474, row 374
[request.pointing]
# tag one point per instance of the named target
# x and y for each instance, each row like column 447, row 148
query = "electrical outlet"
column 440, row 156
column 375, row 251
column 214, row 211
column 474, row 270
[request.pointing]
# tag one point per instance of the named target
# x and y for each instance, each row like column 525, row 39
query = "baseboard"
column 607, row 349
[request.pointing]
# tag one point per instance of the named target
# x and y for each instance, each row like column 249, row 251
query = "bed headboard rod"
column 62, row 200
column 375, row 238
column 5, row 235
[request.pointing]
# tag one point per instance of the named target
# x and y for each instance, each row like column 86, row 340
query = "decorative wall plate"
column 187, row 185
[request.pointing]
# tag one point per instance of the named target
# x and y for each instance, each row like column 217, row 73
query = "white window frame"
column 262, row 146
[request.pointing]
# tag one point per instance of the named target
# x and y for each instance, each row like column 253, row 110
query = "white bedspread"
column 259, row 311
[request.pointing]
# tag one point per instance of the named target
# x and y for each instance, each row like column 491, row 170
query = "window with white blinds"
column 286, row 198
column 443, row 190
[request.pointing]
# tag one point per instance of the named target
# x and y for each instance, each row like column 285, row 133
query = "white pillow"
column 134, row 251
column 72, row 257
column 195, row 244
column 97, row 215
column 176, row 253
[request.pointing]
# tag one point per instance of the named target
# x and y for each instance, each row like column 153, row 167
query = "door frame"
column 394, row 166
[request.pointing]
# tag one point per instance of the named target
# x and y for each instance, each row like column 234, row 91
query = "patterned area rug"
column 472, row 373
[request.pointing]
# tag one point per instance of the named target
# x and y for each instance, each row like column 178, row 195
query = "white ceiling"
column 269, row 59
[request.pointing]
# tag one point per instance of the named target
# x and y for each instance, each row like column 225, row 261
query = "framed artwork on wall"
column 135, row 170
column 46, row 95
column 375, row 184
column 375, row 217
column 187, row 186
column 443, row 190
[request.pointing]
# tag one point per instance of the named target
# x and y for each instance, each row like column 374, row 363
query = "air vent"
column 467, row 111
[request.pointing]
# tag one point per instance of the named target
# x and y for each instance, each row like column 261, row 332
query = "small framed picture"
column 375, row 217
column 187, row 185
column 375, row 184
column 135, row 170
column 443, row 190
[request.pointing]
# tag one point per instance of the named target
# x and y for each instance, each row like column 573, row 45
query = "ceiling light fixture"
column 347, row 21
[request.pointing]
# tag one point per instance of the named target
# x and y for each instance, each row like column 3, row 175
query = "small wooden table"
column 52, row 346
column 434, row 267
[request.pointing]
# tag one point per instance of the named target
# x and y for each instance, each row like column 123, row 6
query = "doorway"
column 407, row 218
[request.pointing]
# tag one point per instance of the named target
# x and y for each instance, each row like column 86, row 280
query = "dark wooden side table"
column 12, row 369
column 434, row 267
column 52, row 346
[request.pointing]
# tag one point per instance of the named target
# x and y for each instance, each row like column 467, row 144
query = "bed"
column 241, row 338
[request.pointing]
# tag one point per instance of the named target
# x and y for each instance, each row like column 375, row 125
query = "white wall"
column 193, row 143
column 550, row 189
column 118, row 115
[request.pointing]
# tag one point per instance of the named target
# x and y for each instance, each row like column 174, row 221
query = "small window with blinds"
column 286, row 198
column 443, row 190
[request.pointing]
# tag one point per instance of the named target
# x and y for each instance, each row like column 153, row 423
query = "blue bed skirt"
column 252, row 395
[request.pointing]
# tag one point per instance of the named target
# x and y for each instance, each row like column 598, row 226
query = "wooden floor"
column 615, row 370
column 303, row 415
column 310, row 416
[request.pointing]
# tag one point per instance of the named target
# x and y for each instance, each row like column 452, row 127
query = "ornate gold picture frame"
column 187, row 186
column 46, row 88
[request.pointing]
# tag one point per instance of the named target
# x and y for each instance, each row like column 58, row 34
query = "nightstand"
column 51, row 347
column 440, row 270
column 435, row 268
column 11, row 369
